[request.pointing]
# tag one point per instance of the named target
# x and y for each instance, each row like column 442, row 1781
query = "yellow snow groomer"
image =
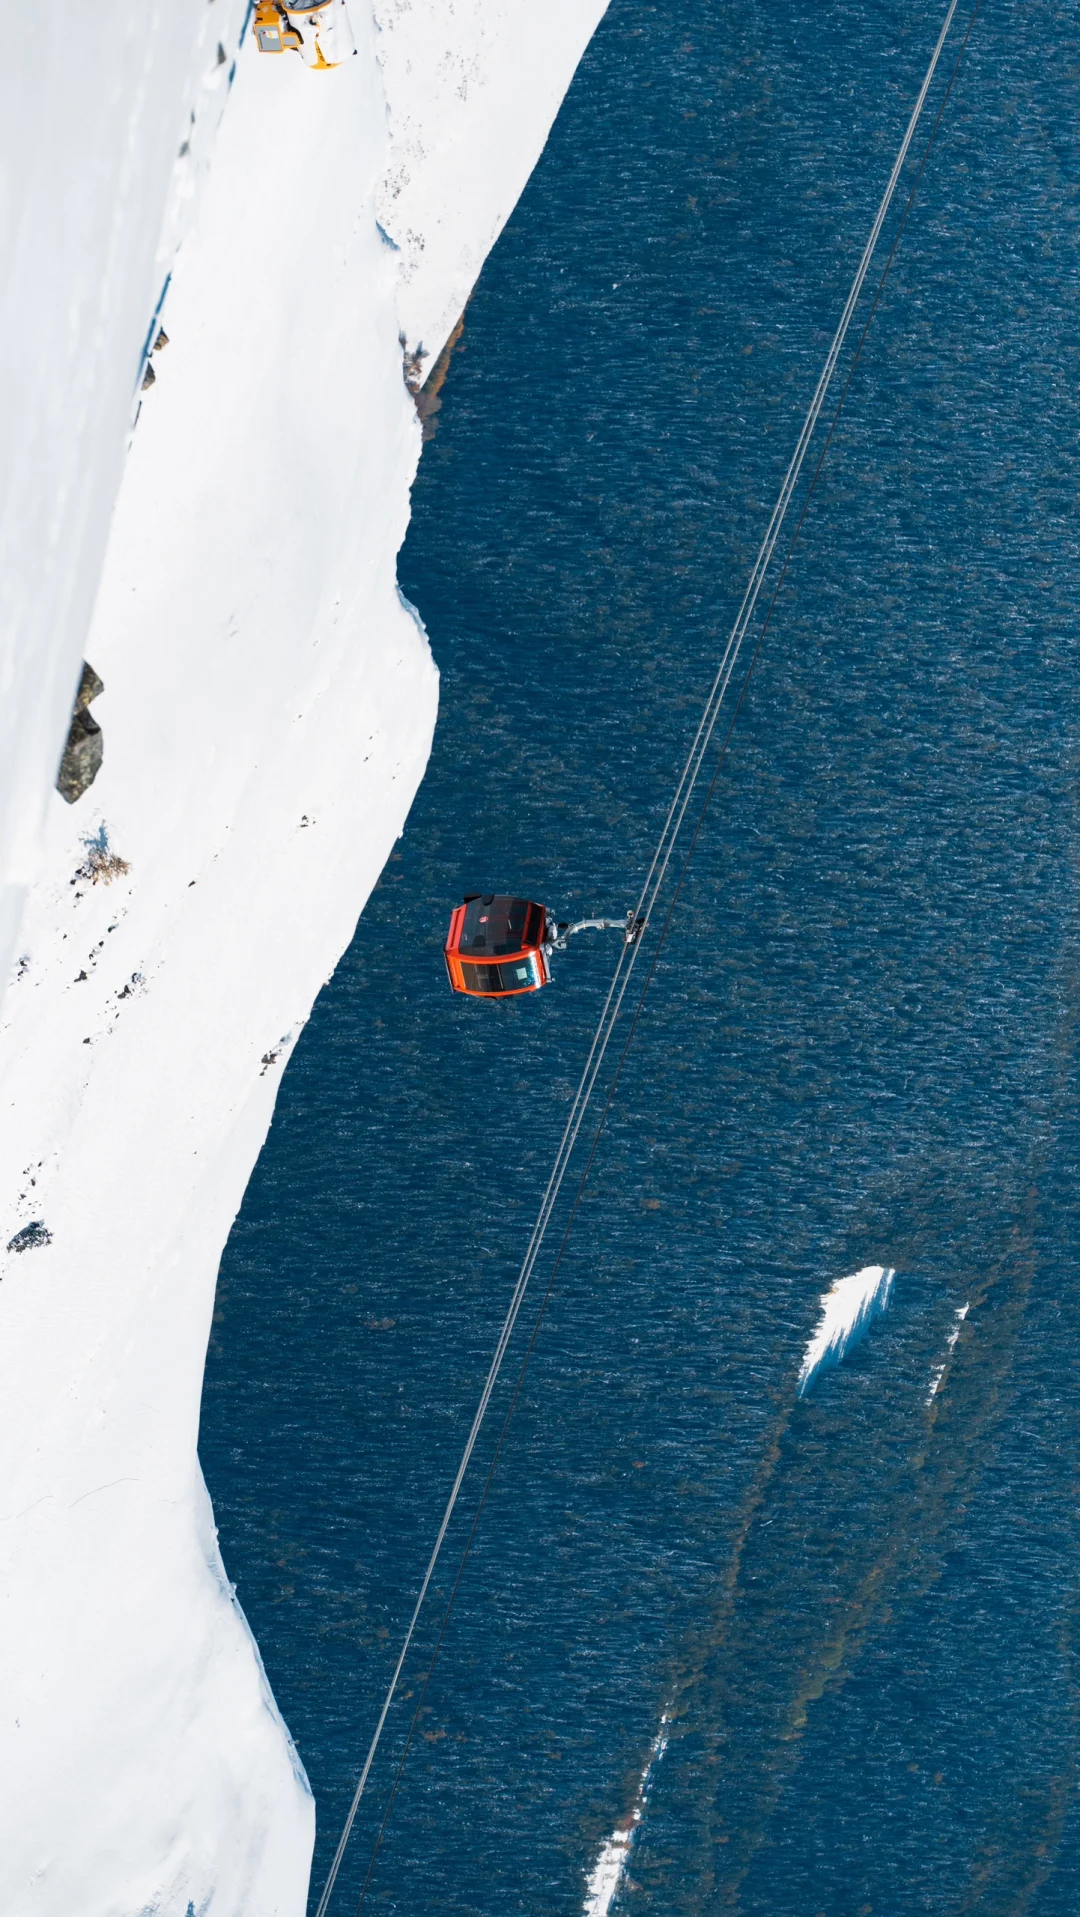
column 318, row 30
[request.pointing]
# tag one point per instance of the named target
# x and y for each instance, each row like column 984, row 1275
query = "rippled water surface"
column 860, row 1607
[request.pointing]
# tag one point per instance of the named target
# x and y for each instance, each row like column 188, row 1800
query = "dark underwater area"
column 859, row 1607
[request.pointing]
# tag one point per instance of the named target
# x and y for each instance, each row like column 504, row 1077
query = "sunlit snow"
column 268, row 707
column 938, row 1373
column 846, row 1310
column 610, row 1868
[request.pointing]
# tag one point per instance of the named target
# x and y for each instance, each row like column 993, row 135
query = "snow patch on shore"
column 610, row 1868
column 938, row 1373
column 847, row 1309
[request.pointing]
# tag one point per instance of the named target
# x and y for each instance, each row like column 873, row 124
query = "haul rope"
column 647, row 900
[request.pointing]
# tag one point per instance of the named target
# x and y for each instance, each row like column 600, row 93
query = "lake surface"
column 860, row 1609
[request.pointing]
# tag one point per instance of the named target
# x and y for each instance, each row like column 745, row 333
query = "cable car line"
column 639, row 919
column 601, row 1123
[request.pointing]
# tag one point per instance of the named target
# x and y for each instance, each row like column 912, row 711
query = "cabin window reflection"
column 520, row 972
column 494, row 925
column 516, row 976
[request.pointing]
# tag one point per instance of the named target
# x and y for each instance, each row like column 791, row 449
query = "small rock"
column 89, row 687
column 30, row 1237
column 149, row 377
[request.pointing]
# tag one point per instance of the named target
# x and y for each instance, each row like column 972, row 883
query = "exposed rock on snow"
column 250, row 586
column 30, row 1236
column 81, row 762
column 428, row 394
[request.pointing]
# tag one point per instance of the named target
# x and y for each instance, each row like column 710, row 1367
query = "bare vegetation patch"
column 101, row 864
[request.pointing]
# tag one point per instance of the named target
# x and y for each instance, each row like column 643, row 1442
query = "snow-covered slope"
column 267, row 715
column 96, row 103
column 459, row 78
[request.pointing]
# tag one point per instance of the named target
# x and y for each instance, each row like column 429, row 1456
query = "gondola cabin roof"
column 495, row 946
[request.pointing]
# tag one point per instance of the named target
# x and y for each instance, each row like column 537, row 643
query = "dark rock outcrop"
column 30, row 1237
column 83, row 752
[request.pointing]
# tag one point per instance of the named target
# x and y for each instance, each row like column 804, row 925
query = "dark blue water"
column 861, row 1045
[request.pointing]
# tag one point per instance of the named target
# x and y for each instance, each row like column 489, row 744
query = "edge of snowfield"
column 267, row 717
column 108, row 115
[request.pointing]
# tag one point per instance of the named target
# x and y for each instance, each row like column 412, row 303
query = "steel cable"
column 647, row 900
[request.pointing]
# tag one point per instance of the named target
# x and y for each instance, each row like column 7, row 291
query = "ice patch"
column 846, row 1311
column 609, row 1869
column 939, row 1371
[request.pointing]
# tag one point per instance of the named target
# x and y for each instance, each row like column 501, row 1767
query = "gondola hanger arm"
column 630, row 927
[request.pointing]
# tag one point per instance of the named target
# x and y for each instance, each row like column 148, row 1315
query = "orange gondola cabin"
column 496, row 946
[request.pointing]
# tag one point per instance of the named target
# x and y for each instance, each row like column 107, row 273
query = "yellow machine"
column 318, row 30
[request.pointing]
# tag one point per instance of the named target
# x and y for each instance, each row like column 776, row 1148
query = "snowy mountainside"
column 458, row 78
column 267, row 711
column 96, row 104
